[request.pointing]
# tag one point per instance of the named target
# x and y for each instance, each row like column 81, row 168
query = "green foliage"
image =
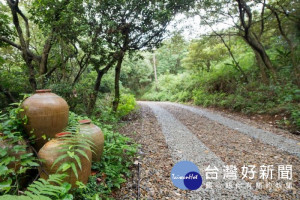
column 113, row 168
column 171, row 88
column 15, row 159
column 5, row 29
column 53, row 188
column 137, row 72
column 204, row 53
column 223, row 86
column 74, row 145
column 50, row 189
column 127, row 104
column 169, row 56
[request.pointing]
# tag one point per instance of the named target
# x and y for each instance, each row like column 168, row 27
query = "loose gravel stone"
column 180, row 132
column 184, row 145
column 154, row 159
column 235, row 148
column 266, row 137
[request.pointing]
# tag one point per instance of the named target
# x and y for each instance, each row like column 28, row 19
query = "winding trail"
column 209, row 139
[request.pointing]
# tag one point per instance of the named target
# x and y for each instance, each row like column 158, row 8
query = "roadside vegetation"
column 100, row 56
column 250, row 67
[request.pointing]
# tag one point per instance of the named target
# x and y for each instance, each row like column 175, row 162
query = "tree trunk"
column 237, row 65
column 117, row 85
column 94, row 95
column 8, row 95
column 257, row 47
column 261, row 66
column 208, row 66
column 44, row 60
column 154, row 70
column 24, row 46
column 31, row 77
column 292, row 46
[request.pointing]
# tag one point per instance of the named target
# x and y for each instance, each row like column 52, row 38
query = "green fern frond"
column 44, row 190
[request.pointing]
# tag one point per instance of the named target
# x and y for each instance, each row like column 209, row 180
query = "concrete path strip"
column 280, row 142
column 184, row 145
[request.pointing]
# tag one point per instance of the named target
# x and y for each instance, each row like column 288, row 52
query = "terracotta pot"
column 47, row 115
column 96, row 135
column 50, row 152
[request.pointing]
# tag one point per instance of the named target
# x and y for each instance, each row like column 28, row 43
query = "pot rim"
column 85, row 121
column 43, row 91
column 62, row 134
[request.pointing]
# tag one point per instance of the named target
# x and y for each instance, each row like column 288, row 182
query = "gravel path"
column 236, row 148
column 170, row 132
column 266, row 137
column 184, row 145
column 151, row 176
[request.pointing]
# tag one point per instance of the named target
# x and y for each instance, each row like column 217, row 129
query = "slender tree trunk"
column 256, row 45
column 236, row 63
column 117, row 85
column 208, row 66
column 291, row 45
column 24, row 43
column 30, row 66
column 245, row 15
column 94, row 95
column 155, row 73
column 262, row 70
column 8, row 95
column 43, row 69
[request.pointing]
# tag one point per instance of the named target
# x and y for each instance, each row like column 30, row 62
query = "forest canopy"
column 88, row 51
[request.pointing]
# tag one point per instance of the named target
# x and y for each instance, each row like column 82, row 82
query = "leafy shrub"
column 225, row 87
column 171, row 87
column 15, row 161
column 295, row 116
column 53, row 188
column 126, row 105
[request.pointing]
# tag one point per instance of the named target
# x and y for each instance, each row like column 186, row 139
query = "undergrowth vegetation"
column 18, row 163
column 223, row 85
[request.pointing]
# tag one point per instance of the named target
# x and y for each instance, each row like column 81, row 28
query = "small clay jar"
column 47, row 115
column 50, row 152
column 96, row 135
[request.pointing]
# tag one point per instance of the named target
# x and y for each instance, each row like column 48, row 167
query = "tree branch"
column 3, row 39
column 262, row 25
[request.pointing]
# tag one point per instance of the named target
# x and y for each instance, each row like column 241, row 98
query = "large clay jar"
column 50, row 152
column 96, row 135
column 47, row 115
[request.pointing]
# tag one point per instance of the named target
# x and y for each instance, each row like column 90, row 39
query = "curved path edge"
column 285, row 144
column 184, row 145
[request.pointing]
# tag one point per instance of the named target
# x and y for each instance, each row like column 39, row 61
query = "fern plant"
column 73, row 146
column 53, row 188
column 15, row 160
